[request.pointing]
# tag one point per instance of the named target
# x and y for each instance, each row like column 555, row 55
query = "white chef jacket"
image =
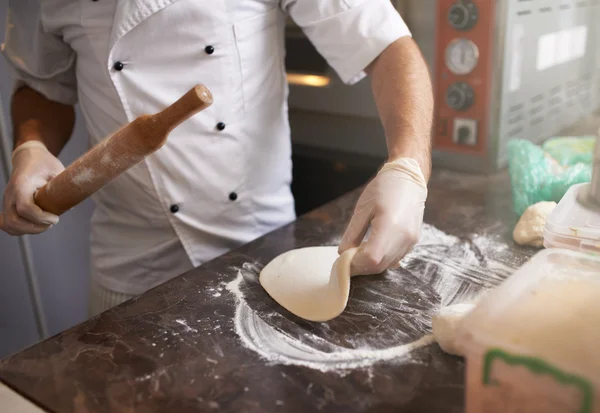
column 223, row 177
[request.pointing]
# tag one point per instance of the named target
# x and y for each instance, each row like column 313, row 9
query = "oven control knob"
column 460, row 96
column 463, row 16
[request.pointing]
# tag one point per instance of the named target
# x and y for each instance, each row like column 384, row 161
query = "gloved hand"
column 392, row 206
column 33, row 167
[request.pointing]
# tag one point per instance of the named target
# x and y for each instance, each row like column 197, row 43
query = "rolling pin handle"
column 117, row 153
column 195, row 100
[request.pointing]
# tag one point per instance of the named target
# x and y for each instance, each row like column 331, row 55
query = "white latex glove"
column 392, row 206
column 33, row 167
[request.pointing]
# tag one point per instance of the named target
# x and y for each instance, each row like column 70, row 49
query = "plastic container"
column 532, row 344
column 572, row 225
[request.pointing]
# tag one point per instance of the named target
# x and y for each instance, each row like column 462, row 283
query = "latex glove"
column 392, row 207
column 33, row 167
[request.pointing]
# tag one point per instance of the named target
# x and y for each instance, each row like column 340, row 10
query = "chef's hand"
column 392, row 206
column 33, row 167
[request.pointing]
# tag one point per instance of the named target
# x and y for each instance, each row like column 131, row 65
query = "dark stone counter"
column 212, row 340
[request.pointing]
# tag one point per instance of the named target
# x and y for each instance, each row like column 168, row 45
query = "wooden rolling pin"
column 118, row 153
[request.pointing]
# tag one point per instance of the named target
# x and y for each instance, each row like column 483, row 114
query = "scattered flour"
column 185, row 325
column 144, row 377
column 278, row 348
column 488, row 243
column 458, row 269
column 214, row 292
column 84, row 176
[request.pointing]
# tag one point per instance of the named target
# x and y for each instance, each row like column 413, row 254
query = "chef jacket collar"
column 131, row 13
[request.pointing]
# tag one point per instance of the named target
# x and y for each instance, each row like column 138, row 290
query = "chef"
column 223, row 177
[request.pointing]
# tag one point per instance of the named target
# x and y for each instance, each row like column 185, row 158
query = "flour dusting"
column 86, row 175
column 214, row 292
column 186, row 326
column 144, row 377
column 444, row 266
column 106, row 158
column 279, row 348
column 458, row 268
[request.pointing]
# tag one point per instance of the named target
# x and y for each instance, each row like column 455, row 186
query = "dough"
column 445, row 325
column 312, row 283
column 530, row 228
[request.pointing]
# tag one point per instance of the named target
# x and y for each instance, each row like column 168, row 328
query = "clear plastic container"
column 533, row 344
column 572, row 225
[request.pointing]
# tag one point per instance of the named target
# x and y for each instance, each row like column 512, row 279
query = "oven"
column 502, row 69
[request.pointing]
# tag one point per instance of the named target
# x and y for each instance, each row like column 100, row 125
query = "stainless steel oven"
column 502, row 69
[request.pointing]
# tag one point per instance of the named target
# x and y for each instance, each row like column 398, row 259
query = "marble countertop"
column 212, row 340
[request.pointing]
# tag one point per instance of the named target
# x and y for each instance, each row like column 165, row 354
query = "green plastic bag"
column 535, row 176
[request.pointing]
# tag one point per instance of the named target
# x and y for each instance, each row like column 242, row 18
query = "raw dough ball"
column 312, row 283
column 445, row 325
column 530, row 228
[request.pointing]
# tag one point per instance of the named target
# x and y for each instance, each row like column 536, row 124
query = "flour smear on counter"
column 280, row 348
column 451, row 270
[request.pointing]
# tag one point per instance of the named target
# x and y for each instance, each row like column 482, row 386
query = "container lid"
column 572, row 225
column 548, row 310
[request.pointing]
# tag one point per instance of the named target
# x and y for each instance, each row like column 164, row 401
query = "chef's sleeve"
column 38, row 58
column 349, row 34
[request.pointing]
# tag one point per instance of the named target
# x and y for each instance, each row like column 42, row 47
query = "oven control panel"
column 463, row 15
column 463, row 76
column 462, row 56
column 460, row 96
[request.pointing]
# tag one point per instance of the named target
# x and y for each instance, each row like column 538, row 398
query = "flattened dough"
column 312, row 283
